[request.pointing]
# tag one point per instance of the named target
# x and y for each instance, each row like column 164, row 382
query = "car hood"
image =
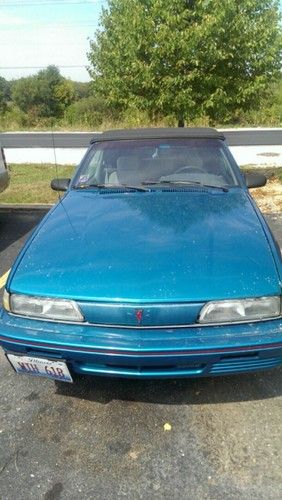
column 150, row 247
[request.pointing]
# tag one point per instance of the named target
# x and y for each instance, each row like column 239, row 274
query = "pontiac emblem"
column 139, row 315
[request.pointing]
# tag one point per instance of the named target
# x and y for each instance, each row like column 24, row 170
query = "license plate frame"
column 37, row 366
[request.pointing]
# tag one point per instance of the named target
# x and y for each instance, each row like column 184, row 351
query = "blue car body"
column 164, row 253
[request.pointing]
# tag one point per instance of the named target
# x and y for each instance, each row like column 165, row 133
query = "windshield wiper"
column 189, row 183
column 111, row 186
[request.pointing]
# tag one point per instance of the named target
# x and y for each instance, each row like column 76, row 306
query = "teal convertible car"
column 156, row 262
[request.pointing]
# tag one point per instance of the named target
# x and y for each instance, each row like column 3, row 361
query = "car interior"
column 158, row 164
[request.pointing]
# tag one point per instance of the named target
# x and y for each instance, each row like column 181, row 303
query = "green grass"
column 30, row 183
column 270, row 172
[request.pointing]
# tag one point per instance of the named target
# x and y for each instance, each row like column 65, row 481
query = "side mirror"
column 255, row 180
column 60, row 184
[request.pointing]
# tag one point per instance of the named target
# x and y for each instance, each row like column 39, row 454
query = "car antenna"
column 57, row 175
column 55, row 156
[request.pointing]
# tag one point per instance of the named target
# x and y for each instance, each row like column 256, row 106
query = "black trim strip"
column 128, row 352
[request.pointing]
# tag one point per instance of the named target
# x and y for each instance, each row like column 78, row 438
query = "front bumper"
column 144, row 353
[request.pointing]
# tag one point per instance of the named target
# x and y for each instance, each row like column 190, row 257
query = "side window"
column 92, row 166
column 95, row 162
column 225, row 165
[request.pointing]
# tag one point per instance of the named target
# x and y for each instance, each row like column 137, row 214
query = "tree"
column 65, row 93
column 186, row 58
column 32, row 96
column 82, row 89
column 4, row 94
column 45, row 94
column 51, row 75
column 3, row 103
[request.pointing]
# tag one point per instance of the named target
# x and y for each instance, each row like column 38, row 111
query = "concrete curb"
column 24, row 207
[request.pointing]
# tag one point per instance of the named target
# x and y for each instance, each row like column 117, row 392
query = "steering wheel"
column 190, row 169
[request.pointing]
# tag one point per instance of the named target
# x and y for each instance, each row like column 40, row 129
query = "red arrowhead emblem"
column 139, row 315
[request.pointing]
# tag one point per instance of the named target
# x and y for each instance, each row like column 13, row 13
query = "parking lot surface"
column 105, row 438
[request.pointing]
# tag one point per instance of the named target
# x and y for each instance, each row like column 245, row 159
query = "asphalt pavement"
column 259, row 137
column 104, row 438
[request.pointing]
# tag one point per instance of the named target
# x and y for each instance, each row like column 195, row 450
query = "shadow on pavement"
column 214, row 390
column 15, row 224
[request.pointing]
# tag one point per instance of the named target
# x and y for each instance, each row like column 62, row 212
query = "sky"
column 36, row 33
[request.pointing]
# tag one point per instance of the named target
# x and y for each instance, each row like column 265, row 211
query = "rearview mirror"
column 255, row 180
column 60, row 184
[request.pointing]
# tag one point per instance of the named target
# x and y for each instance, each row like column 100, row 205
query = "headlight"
column 41, row 307
column 225, row 311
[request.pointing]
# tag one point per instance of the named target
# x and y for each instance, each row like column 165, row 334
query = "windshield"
column 158, row 161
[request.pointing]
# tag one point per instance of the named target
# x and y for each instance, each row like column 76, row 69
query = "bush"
column 15, row 119
column 133, row 117
column 88, row 112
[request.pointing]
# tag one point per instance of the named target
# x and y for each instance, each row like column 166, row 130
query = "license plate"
column 40, row 367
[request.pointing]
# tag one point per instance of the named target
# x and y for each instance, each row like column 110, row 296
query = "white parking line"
column 4, row 278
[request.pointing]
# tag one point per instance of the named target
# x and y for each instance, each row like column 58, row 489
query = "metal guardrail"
column 240, row 137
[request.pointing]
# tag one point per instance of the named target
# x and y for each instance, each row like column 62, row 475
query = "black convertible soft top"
column 158, row 133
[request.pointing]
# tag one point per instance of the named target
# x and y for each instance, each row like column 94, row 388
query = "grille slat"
column 244, row 364
column 222, row 367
